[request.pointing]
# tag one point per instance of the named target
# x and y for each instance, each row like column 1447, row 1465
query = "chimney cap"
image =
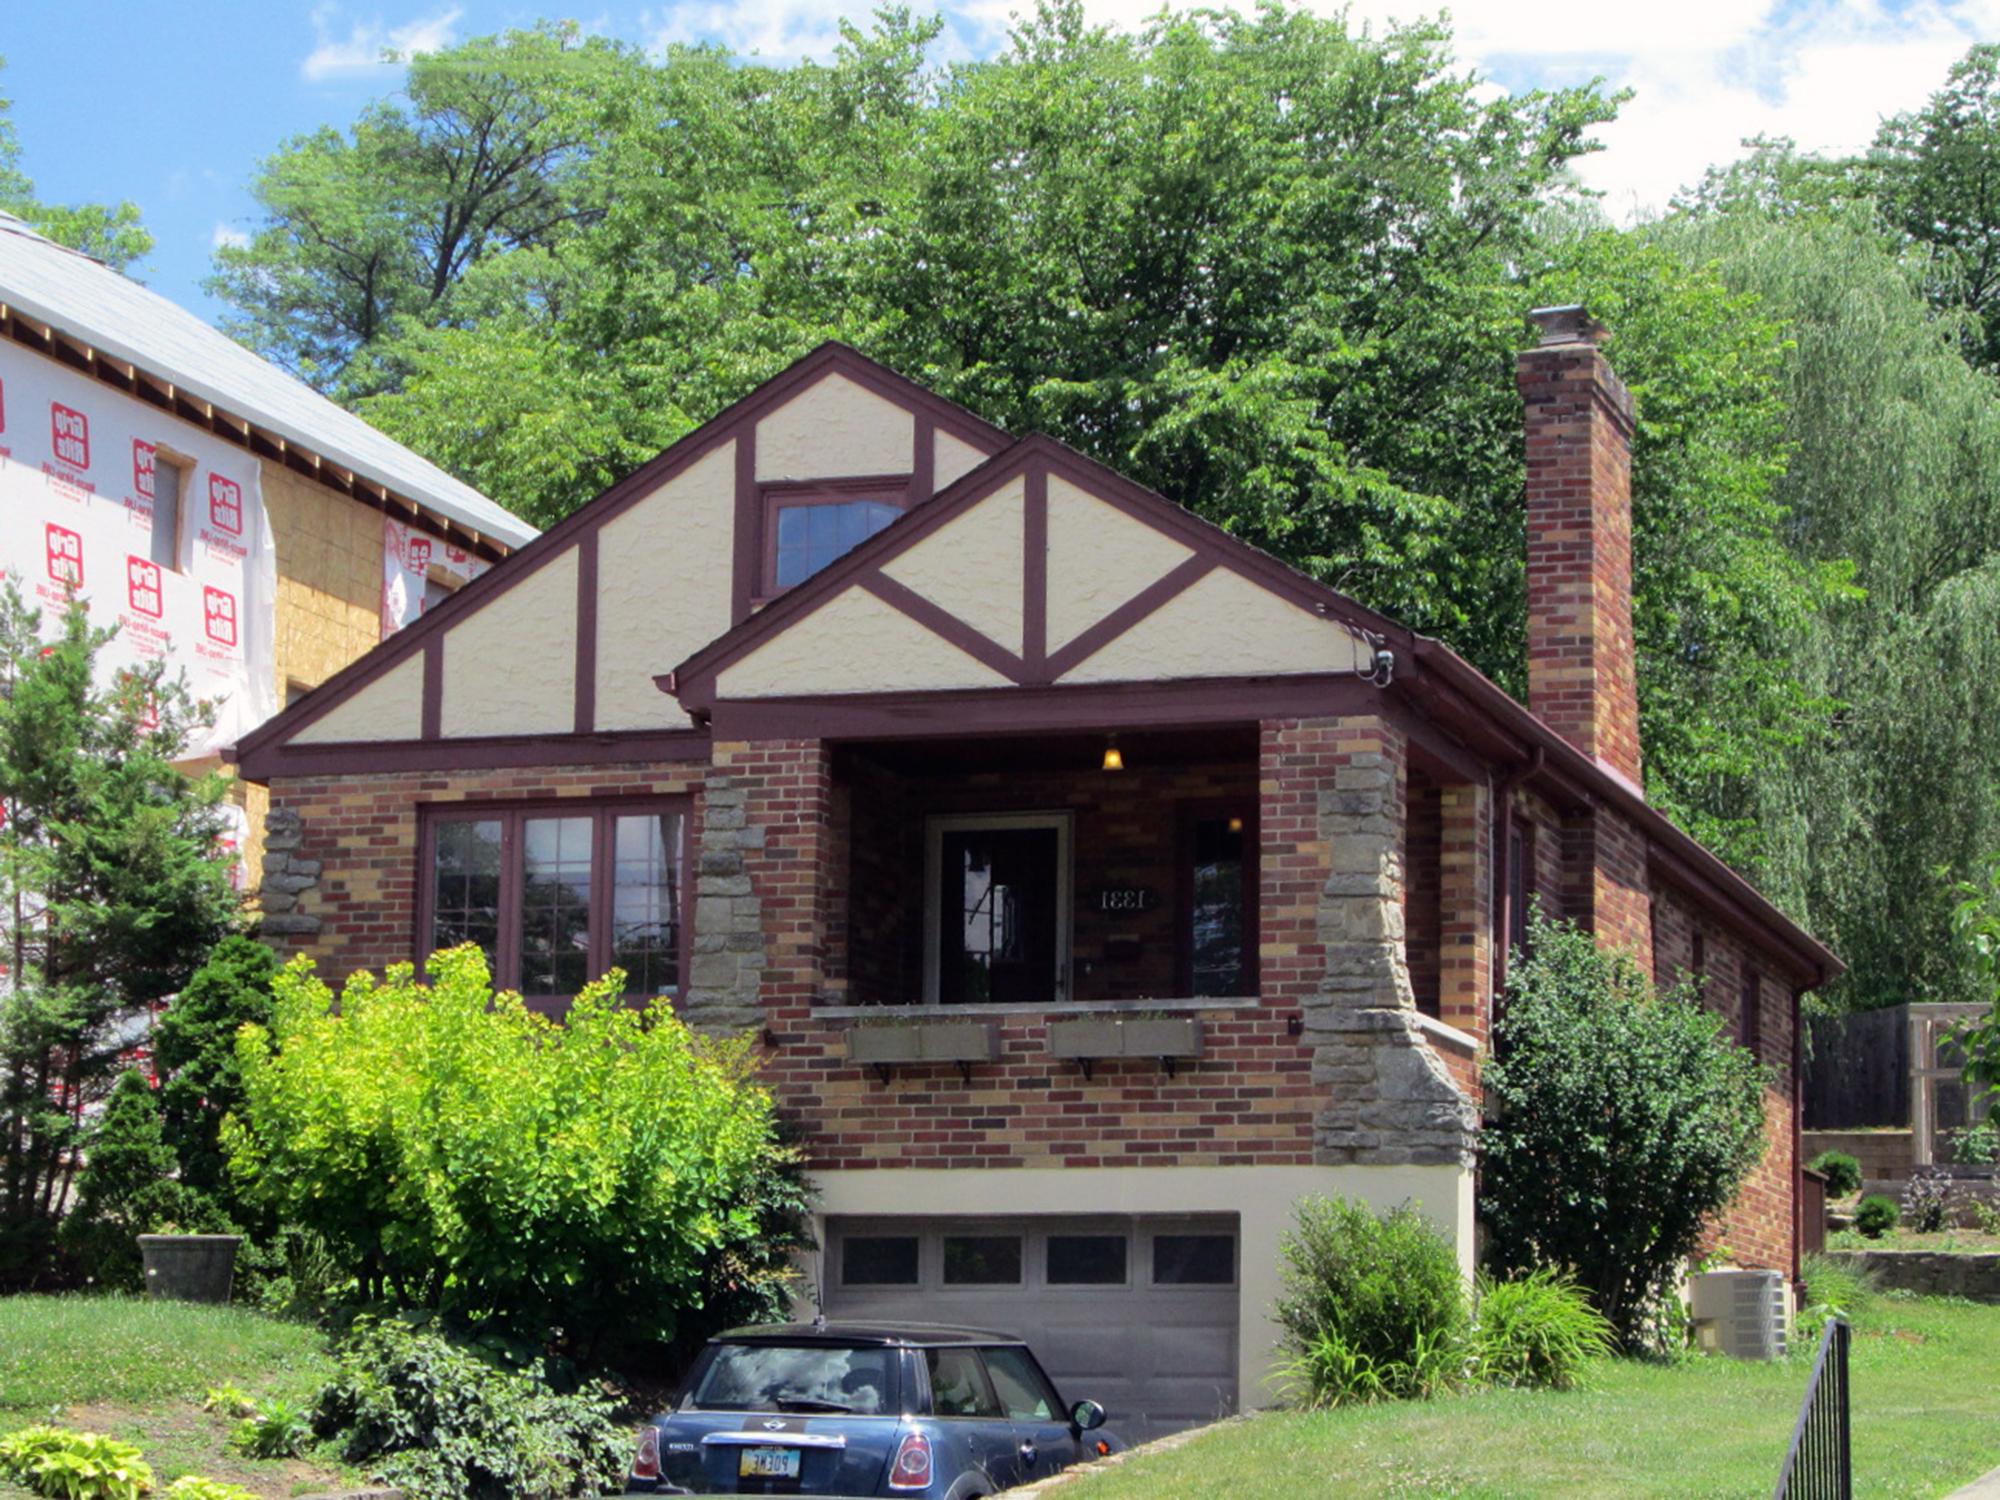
column 1571, row 324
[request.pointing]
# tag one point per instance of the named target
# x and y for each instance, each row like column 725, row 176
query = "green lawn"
column 1926, row 1377
column 138, row 1370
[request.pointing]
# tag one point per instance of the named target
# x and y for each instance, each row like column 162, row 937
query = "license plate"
column 768, row 1463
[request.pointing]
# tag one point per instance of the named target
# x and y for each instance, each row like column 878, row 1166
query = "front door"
column 997, row 911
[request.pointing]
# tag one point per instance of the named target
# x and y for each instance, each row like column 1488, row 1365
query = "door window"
column 1194, row 1259
column 879, row 1260
column 1086, row 1260
column 982, row 1260
column 998, row 912
column 1024, row 1392
column 959, row 1387
column 1218, row 929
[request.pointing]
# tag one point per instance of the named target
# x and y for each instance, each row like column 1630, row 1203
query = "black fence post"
column 1820, row 1463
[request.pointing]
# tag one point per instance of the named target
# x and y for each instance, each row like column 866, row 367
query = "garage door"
column 1137, row 1313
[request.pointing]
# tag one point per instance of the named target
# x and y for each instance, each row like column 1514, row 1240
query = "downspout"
column 1503, row 836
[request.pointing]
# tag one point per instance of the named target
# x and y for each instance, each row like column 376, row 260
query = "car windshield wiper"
column 808, row 1403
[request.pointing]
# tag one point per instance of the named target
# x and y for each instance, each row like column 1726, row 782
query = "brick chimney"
column 1581, row 675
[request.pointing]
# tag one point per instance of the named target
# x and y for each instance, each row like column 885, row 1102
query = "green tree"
column 113, row 884
column 461, row 1153
column 126, row 1188
column 1618, row 1124
column 113, row 235
column 194, row 1046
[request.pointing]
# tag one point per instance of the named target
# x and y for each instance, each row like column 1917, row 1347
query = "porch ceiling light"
column 1113, row 761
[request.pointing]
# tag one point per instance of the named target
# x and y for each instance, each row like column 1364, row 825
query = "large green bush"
column 1841, row 1171
column 453, row 1150
column 441, row 1423
column 194, row 1044
column 1620, row 1123
column 1373, row 1305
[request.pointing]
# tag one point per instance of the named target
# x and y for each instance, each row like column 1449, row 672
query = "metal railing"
column 1820, row 1465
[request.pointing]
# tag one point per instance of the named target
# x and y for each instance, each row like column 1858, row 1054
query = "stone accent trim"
column 288, row 875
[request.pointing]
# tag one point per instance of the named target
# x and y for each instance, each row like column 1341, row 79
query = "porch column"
column 1333, row 793
column 1465, row 960
column 761, row 884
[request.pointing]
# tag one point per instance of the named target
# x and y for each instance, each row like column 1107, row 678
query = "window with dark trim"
column 879, row 1260
column 806, row 528
column 556, row 894
column 1750, row 1014
column 1218, row 905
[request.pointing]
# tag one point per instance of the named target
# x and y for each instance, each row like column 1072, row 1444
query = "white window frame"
column 935, row 828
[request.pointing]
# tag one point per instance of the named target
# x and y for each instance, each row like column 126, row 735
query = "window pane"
column 958, row 1384
column 811, row 535
column 1086, row 1259
column 879, row 1260
column 982, row 1260
column 1217, row 911
column 645, row 902
column 1024, row 1393
column 1194, row 1259
column 555, row 905
column 166, row 549
column 465, row 885
column 781, row 1377
column 823, row 534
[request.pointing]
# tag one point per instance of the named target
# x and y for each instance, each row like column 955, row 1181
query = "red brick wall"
column 1581, row 672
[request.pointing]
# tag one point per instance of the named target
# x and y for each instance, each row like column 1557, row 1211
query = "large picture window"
column 556, row 895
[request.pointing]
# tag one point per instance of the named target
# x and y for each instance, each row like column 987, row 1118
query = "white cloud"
column 366, row 43
column 225, row 235
column 778, row 31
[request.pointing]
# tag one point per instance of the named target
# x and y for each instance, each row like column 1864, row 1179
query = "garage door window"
column 959, row 1387
column 879, row 1260
column 982, row 1260
column 1086, row 1260
column 1194, row 1259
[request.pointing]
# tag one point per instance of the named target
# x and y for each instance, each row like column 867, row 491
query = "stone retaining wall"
column 1932, row 1273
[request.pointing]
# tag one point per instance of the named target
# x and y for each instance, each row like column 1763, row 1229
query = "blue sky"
column 173, row 105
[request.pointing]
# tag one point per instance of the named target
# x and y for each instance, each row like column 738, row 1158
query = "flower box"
column 923, row 1042
column 1161, row 1037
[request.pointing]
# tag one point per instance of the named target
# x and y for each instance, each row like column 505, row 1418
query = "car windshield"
column 797, row 1378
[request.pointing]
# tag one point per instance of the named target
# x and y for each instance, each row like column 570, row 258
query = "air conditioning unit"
column 1740, row 1313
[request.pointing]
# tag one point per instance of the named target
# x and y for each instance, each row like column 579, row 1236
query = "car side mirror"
column 1086, row 1416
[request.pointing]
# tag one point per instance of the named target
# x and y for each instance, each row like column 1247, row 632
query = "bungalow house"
column 1094, row 884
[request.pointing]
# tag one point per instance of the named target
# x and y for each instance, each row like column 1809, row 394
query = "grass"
column 1960, row 1241
column 138, row 1370
column 1926, row 1420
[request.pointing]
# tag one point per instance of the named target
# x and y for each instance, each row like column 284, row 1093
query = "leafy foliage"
column 68, row 1465
column 1877, row 1215
column 194, row 1045
column 127, row 1188
column 1536, row 1330
column 441, row 1424
column 1976, row 1145
column 1842, row 1172
column 1619, row 1124
column 1373, row 1305
column 1927, row 1201
column 194, row 1487
column 272, row 1428
column 1835, row 1285
column 1977, row 919
column 454, row 1150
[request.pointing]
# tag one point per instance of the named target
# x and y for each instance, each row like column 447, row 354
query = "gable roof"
column 828, row 358
column 66, row 290
column 1209, row 547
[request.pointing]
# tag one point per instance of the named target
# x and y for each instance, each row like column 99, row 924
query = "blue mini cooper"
column 862, row 1409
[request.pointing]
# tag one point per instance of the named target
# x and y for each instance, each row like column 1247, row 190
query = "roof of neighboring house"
column 118, row 318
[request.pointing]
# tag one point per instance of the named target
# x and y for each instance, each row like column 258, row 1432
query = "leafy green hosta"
column 456, row 1151
column 68, row 1465
column 194, row 1487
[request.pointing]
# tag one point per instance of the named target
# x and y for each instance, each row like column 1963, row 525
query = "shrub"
column 1372, row 1305
column 193, row 1487
column 1877, row 1215
column 271, row 1428
column 453, row 1150
column 1835, row 1284
column 440, row 1423
column 1619, row 1124
column 194, row 1044
column 1842, row 1172
column 1536, row 1330
column 1926, row 1206
column 74, row 1465
column 126, row 1188
column 1976, row 1145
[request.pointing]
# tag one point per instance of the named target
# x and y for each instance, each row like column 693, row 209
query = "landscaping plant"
column 194, row 1487
column 1926, row 1205
column 272, row 1428
column 1842, row 1172
column 1538, row 1330
column 194, row 1047
column 126, row 1188
column 1876, row 1216
column 441, row 1423
column 1373, row 1305
column 68, row 1465
column 1620, row 1123
column 528, row 1179
column 116, row 882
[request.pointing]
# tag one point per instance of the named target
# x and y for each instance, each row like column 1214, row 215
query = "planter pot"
column 1175, row 1036
column 189, row 1267
column 923, row 1042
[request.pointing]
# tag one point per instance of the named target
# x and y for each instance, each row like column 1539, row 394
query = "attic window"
column 808, row 529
